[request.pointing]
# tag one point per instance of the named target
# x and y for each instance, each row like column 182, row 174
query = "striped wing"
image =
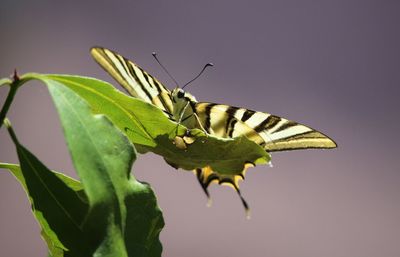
column 206, row 176
column 134, row 79
column 271, row 132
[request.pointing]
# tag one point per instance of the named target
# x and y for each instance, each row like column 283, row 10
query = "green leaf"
column 225, row 156
column 150, row 130
column 56, row 202
column 123, row 219
column 56, row 247
column 110, row 213
column 104, row 99
column 74, row 184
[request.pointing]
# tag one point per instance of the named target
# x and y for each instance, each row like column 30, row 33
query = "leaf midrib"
column 89, row 136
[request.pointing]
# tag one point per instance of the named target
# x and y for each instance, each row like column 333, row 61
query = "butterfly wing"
column 271, row 132
column 134, row 79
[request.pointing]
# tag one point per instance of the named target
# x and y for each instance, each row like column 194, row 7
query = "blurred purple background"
column 333, row 65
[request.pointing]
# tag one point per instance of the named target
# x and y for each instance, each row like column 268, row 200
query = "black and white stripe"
column 134, row 79
column 272, row 132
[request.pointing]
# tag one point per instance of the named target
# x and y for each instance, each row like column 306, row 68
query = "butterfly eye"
column 181, row 94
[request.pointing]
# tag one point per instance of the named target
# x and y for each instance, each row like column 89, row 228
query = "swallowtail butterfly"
column 271, row 132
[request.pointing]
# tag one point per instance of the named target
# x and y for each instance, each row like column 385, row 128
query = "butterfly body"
column 271, row 132
column 184, row 108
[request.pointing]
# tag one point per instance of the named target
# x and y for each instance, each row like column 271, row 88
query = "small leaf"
column 56, row 204
column 49, row 233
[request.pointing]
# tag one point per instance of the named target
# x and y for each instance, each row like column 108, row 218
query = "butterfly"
column 272, row 132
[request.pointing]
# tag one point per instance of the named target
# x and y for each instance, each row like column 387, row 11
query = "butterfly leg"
column 181, row 117
column 183, row 112
column 198, row 121
column 201, row 126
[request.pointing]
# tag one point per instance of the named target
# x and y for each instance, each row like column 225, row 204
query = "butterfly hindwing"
column 207, row 176
column 271, row 132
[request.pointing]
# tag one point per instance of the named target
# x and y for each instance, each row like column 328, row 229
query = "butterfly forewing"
column 134, row 79
column 270, row 131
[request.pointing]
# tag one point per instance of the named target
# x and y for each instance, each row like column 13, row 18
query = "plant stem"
column 7, row 123
column 14, row 85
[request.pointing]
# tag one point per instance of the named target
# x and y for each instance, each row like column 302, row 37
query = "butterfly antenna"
column 162, row 66
column 201, row 72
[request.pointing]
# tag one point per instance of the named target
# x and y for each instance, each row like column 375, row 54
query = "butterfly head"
column 179, row 96
column 183, row 103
